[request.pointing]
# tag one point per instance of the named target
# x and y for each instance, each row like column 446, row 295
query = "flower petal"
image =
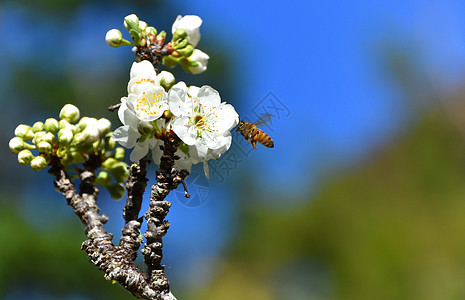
column 184, row 130
column 208, row 97
column 180, row 104
column 126, row 136
column 126, row 114
column 140, row 150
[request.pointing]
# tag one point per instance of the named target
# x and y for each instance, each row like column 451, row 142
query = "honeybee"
column 252, row 134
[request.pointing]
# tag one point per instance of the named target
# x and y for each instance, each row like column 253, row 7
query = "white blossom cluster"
column 195, row 114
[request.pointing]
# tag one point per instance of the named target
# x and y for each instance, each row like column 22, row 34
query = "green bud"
column 69, row 113
column 142, row 25
column 186, row 51
column 131, row 22
column 179, row 34
column 51, row 125
column 77, row 157
column 114, row 38
column 47, row 137
column 110, row 163
column 161, row 35
column 116, row 190
column 38, row 163
column 25, row 157
column 170, row 61
column 65, row 136
column 24, row 132
column 120, row 172
column 110, row 143
column 66, row 159
column 150, row 30
column 38, row 126
column 103, row 179
column 166, row 80
column 81, row 137
column 63, row 124
column 44, row 147
column 103, row 126
column 183, row 147
column 120, row 153
column 167, row 114
column 144, row 127
column 16, row 145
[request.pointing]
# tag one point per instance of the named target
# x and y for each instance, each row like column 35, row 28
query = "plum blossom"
column 191, row 24
column 202, row 121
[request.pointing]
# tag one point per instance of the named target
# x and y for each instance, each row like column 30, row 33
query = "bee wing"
column 264, row 120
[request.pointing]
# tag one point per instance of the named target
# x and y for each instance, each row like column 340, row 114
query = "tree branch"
column 168, row 178
column 137, row 182
column 117, row 264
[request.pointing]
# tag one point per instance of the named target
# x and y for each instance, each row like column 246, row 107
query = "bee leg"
column 254, row 144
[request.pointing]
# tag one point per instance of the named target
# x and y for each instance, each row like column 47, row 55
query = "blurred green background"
column 362, row 198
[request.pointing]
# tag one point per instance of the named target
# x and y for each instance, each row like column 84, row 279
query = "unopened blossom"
column 198, row 62
column 191, row 24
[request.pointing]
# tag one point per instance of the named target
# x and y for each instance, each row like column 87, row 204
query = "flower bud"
column 103, row 179
column 38, row 126
column 77, row 157
column 25, row 157
column 38, row 163
column 16, row 145
column 63, row 124
column 191, row 24
column 116, row 190
column 47, row 137
column 120, row 172
column 110, row 143
column 110, row 163
column 114, row 38
column 69, row 113
column 198, row 62
column 44, row 147
column 66, row 159
column 150, row 30
column 144, row 127
column 65, row 136
column 130, row 18
column 120, row 153
column 51, row 125
column 24, row 132
column 103, row 126
column 166, row 79
column 81, row 137
column 142, row 25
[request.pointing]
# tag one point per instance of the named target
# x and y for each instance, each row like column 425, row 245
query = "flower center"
column 200, row 122
column 149, row 106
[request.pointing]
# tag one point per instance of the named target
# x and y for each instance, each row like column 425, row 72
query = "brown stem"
column 115, row 261
column 168, row 178
column 136, row 184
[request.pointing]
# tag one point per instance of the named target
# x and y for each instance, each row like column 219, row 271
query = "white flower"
column 202, row 121
column 200, row 58
column 129, row 136
column 142, row 77
column 191, row 25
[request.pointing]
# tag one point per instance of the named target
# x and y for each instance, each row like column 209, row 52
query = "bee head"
column 240, row 126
